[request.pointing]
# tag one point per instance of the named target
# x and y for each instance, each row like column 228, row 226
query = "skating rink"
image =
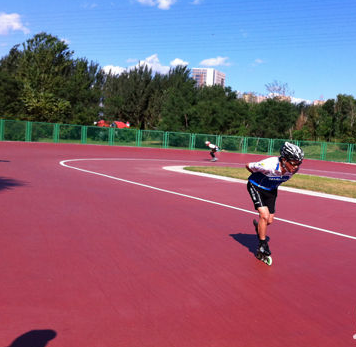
column 102, row 247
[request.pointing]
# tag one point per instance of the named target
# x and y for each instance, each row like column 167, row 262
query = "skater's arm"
column 248, row 167
column 262, row 166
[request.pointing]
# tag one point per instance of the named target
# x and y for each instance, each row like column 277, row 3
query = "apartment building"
column 208, row 77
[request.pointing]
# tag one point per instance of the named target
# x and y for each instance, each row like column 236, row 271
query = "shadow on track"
column 34, row 338
column 9, row 183
column 248, row 240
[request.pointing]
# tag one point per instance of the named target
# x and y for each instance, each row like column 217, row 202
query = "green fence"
column 11, row 130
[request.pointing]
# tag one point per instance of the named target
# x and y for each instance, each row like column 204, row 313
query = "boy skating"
column 213, row 150
column 266, row 176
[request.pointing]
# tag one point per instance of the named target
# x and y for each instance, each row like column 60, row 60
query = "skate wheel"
column 268, row 260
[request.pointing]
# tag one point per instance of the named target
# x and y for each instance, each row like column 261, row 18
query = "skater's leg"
column 212, row 153
column 264, row 248
column 265, row 219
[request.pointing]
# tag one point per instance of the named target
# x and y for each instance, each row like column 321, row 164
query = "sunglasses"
column 294, row 163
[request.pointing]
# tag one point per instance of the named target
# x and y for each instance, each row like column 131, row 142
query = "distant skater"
column 213, row 150
column 266, row 176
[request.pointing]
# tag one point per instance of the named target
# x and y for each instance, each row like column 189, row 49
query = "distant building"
column 318, row 102
column 253, row 98
column 208, row 77
column 283, row 98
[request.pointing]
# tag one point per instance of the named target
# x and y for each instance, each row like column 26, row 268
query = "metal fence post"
column 165, row 139
column 270, row 146
column 193, row 140
column 138, row 138
column 84, row 134
column 349, row 152
column 56, row 133
column 244, row 147
column 28, row 132
column 219, row 141
column 323, row 150
column 111, row 136
column 2, row 126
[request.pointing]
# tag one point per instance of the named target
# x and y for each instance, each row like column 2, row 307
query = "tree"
column 9, row 95
column 345, row 110
column 128, row 95
column 313, row 121
column 278, row 89
column 329, row 122
column 83, row 90
column 44, row 106
column 43, row 66
column 178, row 98
column 48, row 85
column 10, row 87
column 217, row 110
column 274, row 119
column 41, row 81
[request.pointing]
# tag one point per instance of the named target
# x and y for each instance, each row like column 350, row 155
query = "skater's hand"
column 248, row 167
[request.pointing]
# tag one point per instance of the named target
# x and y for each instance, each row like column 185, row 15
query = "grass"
column 314, row 183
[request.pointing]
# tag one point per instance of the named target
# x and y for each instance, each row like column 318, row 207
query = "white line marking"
column 335, row 172
column 180, row 169
column 63, row 163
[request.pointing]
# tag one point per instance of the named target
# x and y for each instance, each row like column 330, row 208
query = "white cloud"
column 218, row 61
column 165, row 4
column 152, row 62
column 115, row 70
column 161, row 4
column 299, row 100
column 11, row 22
column 147, row 2
column 178, row 61
column 89, row 5
column 243, row 33
column 66, row 41
column 131, row 60
column 197, row 2
column 257, row 62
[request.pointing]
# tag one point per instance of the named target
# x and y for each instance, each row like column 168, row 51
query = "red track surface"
column 91, row 261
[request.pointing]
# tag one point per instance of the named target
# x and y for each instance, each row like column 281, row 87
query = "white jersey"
column 211, row 146
column 267, row 174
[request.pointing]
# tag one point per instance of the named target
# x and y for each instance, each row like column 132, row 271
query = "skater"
column 266, row 176
column 214, row 149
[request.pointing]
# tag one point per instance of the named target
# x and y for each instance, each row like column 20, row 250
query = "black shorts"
column 262, row 197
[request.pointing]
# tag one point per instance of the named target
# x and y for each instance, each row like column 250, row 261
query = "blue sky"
column 308, row 44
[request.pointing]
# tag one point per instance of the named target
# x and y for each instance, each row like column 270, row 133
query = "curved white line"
column 63, row 163
column 180, row 169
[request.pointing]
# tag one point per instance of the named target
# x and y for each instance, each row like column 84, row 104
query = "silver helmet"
column 292, row 152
